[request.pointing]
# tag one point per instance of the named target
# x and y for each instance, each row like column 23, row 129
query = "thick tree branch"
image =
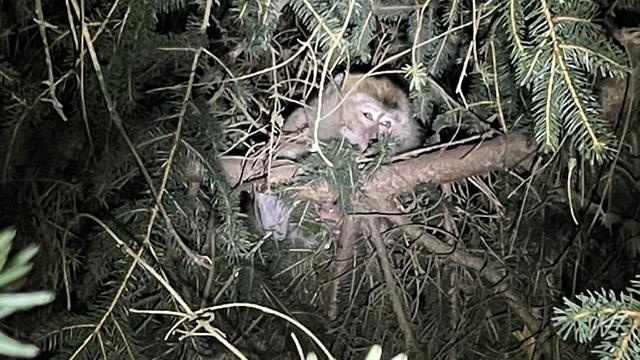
column 436, row 167
column 449, row 165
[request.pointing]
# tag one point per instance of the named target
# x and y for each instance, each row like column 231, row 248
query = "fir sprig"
column 556, row 48
column 615, row 318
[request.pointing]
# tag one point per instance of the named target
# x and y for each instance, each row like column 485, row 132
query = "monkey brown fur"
column 357, row 107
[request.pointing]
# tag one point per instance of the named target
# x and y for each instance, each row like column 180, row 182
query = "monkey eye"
column 386, row 123
column 368, row 115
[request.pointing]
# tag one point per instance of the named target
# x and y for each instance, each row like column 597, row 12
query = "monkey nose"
column 370, row 134
column 372, row 137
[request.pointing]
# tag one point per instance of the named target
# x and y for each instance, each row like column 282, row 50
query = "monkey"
column 357, row 107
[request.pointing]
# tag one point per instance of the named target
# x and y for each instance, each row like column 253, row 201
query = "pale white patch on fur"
column 272, row 215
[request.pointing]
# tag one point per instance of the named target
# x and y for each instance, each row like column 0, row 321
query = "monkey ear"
column 338, row 79
column 334, row 85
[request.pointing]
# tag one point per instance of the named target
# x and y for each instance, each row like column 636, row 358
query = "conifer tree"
column 134, row 134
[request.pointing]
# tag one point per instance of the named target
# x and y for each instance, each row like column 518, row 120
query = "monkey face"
column 366, row 119
column 360, row 124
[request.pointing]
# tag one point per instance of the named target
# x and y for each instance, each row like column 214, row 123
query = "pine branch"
column 614, row 318
column 555, row 48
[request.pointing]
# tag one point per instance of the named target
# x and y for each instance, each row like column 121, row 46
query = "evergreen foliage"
column 112, row 112
column 11, row 271
column 610, row 317
column 555, row 48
